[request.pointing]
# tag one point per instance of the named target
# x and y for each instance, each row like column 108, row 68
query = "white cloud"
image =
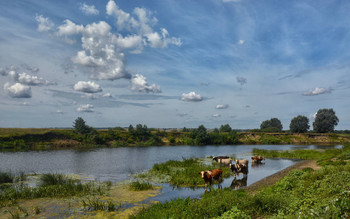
column 27, row 79
column 89, row 9
column 87, row 87
column 221, row 106
column 18, row 90
column 59, row 111
column 241, row 80
column 139, row 83
column 44, row 24
column 122, row 17
column 107, row 95
column 241, row 42
column 87, row 108
column 69, row 28
column 317, row 91
column 191, row 96
column 216, row 115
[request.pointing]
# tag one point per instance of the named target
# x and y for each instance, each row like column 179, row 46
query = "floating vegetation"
column 95, row 204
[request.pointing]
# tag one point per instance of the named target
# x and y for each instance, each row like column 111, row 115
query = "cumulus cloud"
column 87, row 87
column 191, row 96
column 241, row 80
column 33, row 80
column 69, row 28
column 221, row 106
column 139, row 83
column 216, row 115
column 89, row 9
column 87, row 108
column 317, row 91
column 18, row 90
column 107, row 95
column 44, row 24
column 59, row 111
column 142, row 22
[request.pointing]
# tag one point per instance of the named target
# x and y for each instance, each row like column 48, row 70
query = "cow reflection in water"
column 239, row 183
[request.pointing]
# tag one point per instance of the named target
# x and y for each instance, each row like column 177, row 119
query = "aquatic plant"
column 140, row 186
column 6, row 177
column 96, row 204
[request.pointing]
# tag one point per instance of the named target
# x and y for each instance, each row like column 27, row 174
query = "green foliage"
column 200, row 135
column 299, row 124
column 6, row 177
column 140, row 186
column 325, row 121
column 234, row 213
column 225, row 128
column 80, row 126
column 273, row 122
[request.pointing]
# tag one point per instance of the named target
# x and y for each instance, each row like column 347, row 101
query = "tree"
column 131, row 128
column 273, row 122
column 325, row 121
column 200, row 135
column 299, row 124
column 80, row 126
column 225, row 128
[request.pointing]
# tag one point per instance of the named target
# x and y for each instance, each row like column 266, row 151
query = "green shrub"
column 6, row 177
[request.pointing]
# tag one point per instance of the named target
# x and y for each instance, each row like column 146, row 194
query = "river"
column 119, row 164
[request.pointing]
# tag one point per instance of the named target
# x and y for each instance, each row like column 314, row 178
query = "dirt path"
column 270, row 180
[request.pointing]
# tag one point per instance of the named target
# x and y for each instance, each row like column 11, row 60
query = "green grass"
column 53, row 186
column 140, row 186
column 324, row 193
column 95, row 204
column 6, row 177
column 183, row 173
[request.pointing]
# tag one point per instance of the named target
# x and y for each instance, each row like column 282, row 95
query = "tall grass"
column 6, row 177
column 52, row 186
column 140, row 186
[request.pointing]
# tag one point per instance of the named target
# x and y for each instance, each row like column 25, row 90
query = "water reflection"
column 239, row 183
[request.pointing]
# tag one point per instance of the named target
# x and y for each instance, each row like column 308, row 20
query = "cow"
column 239, row 168
column 238, row 183
column 244, row 162
column 224, row 161
column 257, row 159
column 210, row 175
column 220, row 157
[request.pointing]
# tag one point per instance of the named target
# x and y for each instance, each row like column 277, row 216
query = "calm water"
column 118, row 164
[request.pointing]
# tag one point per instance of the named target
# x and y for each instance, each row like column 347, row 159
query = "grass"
column 183, row 173
column 6, row 177
column 95, row 204
column 140, row 186
column 52, row 186
column 324, row 193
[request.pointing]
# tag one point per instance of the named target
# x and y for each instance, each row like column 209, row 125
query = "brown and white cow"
column 239, row 168
column 257, row 159
column 210, row 175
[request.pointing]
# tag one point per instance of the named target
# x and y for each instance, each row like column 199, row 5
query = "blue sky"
column 173, row 63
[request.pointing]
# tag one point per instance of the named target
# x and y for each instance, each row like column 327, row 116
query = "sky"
column 173, row 63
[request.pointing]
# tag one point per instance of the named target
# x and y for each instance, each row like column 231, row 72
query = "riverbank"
column 47, row 139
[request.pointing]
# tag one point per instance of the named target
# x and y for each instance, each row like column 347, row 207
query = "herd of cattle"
column 240, row 166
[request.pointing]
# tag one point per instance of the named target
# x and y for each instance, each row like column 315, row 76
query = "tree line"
column 325, row 121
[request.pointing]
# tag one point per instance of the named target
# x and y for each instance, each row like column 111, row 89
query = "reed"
column 140, row 186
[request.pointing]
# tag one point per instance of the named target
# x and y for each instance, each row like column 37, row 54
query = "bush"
column 140, row 186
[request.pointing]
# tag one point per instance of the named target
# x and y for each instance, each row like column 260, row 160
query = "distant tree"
column 225, row 128
column 216, row 130
column 325, row 121
column 80, row 126
column 185, row 129
column 200, row 135
column 273, row 122
column 131, row 128
column 299, row 124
